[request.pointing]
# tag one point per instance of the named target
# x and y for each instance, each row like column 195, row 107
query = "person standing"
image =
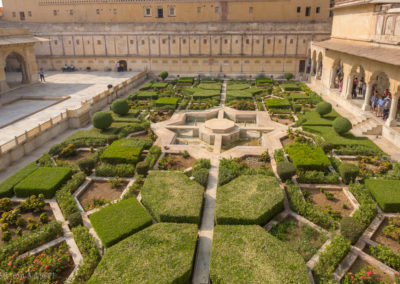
column 386, row 107
column 340, row 85
column 360, row 86
column 118, row 67
column 374, row 102
column 41, row 74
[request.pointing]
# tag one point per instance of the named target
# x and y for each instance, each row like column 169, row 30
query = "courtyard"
column 198, row 179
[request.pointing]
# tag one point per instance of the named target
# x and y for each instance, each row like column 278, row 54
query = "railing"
column 64, row 116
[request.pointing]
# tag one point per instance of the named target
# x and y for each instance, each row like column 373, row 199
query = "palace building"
column 209, row 37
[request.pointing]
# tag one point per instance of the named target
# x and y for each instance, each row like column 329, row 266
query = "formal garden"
column 117, row 202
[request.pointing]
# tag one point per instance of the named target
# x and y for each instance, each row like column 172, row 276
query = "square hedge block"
column 386, row 193
column 44, row 181
column 122, row 152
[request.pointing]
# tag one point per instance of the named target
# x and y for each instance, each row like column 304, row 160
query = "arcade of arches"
column 339, row 74
column 17, row 59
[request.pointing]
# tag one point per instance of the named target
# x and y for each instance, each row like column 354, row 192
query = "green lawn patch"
column 162, row 253
column 159, row 85
column 120, row 220
column 131, row 117
column 386, row 193
column 262, row 82
column 277, row 103
column 210, row 86
column 253, row 199
column 7, row 186
column 288, row 87
column 296, row 96
column 44, row 181
column 237, row 86
column 313, row 118
column 145, row 96
column 167, row 101
column 122, row 152
column 348, row 139
column 308, row 158
column 172, row 197
column 185, row 81
column 248, row 254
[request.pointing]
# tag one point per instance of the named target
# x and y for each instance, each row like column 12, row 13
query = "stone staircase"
column 367, row 127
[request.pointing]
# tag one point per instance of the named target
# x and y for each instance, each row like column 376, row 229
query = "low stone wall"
column 77, row 118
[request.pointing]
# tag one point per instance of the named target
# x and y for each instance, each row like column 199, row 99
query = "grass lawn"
column 91, row 137
column 248, row 254
column 131, row 116
column 299, row 237
column 386, row 193
column 120, row 220
column 172, row 197
column 44, row 181
column 331, row 136
column 313, row 118
column 251, row 199
column 162, row 253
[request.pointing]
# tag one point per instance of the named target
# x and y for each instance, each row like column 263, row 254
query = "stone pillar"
column 391, row 121
column 332, row 79
column 349, row 88
column 368, row 93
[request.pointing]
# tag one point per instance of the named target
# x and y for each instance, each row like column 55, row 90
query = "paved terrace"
column 78, row 86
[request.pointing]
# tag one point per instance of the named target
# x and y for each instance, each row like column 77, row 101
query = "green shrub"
column 279, row 155
column 44, row 181
column 119, row 220
column 351, row 229
column 162, row 253
column 326, row 146
column 386, row 255
column 306, row 209
column 164, row 75
column 142, row 167
column 118, row 170
column 386, row 193
column 323, row 108
column 120, row 107
column 348, row 172
column 285, row 170
column 145, row 96
column 44, row 218
column 152, row 156
column 341, row 125
column 243, row 254
column 316, row 177
column 308, row 158
column 160, row 192
column 367, row 210
column 330, row 258
column 102, row 120
column 230, row 169
column 277, row 103
column 248, row 200
column 159, row 85
column 90, row 254
column 42, row 235
column 167, row 101
column 291, row 87
column 7, row 186
column 122, row 152
column 288, row 76
column 201, row 176
column 87, row 164
column 202, row 163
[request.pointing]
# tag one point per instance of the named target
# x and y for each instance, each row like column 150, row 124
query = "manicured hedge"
column 116, row 170
column 248, row 254
column 6, row 187
column 237, row 86
column 210, row 86
column 152, row 156
column 308, row 158
column 330, row 258
column 185, row 81
column 162, row 253
column 122, row 152
column 249, row 200
column 26, row 242
column 119, row 220
column 386, row 193
column 44, row 181
column 239, row 94
column 159, row 85
column 144, row 96
column 172, row 197
column 261, row 82
column 277, row 103
column 288, row 87
column 167, row 101
column 92, row 137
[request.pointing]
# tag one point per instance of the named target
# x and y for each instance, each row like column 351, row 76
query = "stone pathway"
column 201, row 270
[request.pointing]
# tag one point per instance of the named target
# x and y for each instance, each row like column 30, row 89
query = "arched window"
column 389, row 26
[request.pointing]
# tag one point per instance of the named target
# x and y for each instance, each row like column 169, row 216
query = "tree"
column 164, row 75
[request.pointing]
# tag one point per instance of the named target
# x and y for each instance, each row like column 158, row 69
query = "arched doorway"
column 337, row 75
column 308, row 67
column 355, row 88
column 380, row 83
column 319, row 66
column 15, row 69
column 123, row 66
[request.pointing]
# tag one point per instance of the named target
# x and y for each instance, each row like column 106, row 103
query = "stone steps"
column 368, row 127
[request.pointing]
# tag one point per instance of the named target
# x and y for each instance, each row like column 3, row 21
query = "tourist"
column 364, row 89
column 41, row 74
column 386, row 107
column 71, row 68
column 65, row 68
column 354, row 88
column 340, row 85
column 118, row 67
column 374, row 102
column 360, row 86
column 381, row 103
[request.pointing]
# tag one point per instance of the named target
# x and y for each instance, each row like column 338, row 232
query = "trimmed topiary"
column 351, row 229
column 142, row 167
column 348, row 172
column 341, row 125
column 102, row 120
column 164, row 75
column 324, row 108
column 285, row 170
column 120, row 107
column 288, row 76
